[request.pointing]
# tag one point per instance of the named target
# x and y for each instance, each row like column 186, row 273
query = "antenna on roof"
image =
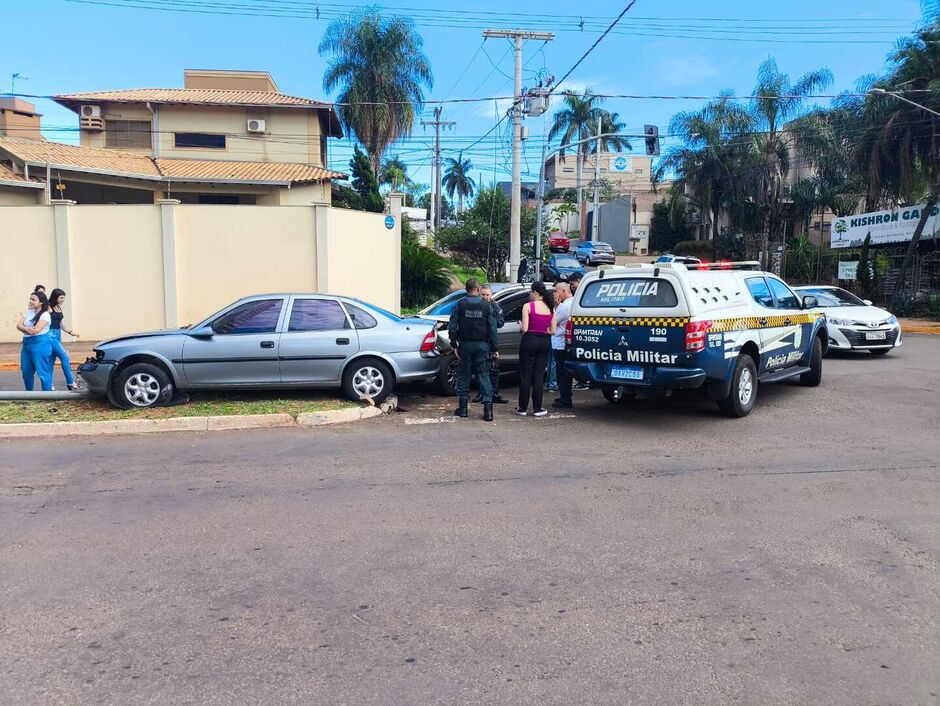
column 13, row 80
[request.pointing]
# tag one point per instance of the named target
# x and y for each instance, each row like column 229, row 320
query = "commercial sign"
column 894, row 226
column 620, row 164
column 848, row 269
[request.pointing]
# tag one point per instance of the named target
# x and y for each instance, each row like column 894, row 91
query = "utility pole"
column 597, row 175
column 437, row 124
column 515, row 203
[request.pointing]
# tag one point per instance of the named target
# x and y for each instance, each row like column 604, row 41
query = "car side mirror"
column 867, row 302
column 810, row 302
column 202, row 332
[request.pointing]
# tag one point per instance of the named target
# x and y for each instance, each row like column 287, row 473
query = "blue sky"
column 676, row 47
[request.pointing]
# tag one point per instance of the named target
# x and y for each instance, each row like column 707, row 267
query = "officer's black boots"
column 462, row 410
column 487, row 411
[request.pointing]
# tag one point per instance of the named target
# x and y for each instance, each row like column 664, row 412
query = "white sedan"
column 853, row 323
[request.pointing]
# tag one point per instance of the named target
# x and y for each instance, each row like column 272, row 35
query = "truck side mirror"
column 810, row 302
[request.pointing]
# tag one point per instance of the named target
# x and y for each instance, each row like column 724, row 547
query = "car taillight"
column 695, row 335
column 569, row 332
column 429, row 342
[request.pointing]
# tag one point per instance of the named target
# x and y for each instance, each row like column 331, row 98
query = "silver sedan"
column 269, row 341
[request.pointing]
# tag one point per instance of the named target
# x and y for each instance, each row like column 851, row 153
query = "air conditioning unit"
column 257, row 126
column 89, row 118
column 91, row 111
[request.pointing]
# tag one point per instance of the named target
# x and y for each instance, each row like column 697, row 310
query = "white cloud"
column 686, row 70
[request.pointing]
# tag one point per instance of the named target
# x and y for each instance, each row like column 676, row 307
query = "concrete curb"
column 213, row 423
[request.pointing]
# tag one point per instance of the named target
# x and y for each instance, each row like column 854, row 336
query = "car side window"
column 512, row 310
column 317, row 315
column 758, row 288
column 786, row 299
column 362, row 319
column 259, row 316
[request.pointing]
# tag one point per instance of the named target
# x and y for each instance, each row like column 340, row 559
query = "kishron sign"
column 894, row 226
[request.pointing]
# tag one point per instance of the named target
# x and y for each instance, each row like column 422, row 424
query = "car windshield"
column 567, row 262
column 833, row 297
column 444, row 306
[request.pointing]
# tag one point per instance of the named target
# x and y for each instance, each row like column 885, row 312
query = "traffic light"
column 652, row 140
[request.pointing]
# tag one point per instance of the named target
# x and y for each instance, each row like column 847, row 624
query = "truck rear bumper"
column 654, row 377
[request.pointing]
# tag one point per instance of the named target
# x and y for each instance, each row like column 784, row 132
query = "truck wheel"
column 814, row 376
column 743, row 390
column 617, row 394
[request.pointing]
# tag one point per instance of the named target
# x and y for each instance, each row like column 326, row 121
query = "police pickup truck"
column 723, row 327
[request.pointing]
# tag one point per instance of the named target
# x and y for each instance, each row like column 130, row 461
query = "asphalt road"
column 653, row 552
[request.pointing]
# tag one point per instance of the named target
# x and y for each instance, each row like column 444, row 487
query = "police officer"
column 472, row 332
column 492, row 363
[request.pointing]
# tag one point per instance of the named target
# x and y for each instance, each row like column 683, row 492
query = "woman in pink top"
column 538, row 325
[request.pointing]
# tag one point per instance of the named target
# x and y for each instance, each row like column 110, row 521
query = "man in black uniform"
column 492, row 363
column 472, row 332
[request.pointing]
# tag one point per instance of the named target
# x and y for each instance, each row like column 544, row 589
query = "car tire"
column 142, row 385
column 618, row 394
column 742, row 393
column 814, row 376
column 879, row 351
column 447, row 377
column 368, row 377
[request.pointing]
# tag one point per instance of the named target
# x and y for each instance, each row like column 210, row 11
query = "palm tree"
column 777, row 102
column 381, row 72
column 394, row 173
column 576, row 121
column 457, row 178
column 900, row 142
column 610, row 124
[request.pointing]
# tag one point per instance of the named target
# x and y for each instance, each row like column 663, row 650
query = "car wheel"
column 447, row 378
column 617, row 394
column 879, row 351
column 142, row 385
column 368, row 377
column 743, row 391
column 814, row 376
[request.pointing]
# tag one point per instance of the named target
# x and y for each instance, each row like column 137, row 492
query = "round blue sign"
column 620, row 164
column 390, row 221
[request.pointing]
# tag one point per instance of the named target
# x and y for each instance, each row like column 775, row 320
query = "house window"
column 201, row 140
column 637, row 171
column 568, row 170
column 127, row 134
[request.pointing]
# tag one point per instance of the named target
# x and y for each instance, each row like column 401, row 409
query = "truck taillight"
column 695, row 332
column 569, row 332
column 429, row 342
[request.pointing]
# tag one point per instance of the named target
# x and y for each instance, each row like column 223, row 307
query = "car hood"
column 855, row 313
column 145, row 334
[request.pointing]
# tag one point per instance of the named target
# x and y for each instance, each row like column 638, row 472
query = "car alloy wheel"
column 452, row 375
column 142, row 389
column 368, row 381
column 745, row 387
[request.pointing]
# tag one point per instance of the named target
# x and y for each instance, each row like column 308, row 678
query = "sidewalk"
column 10, row 354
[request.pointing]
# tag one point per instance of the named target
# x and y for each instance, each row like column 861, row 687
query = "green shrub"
column 702, row 249
column 425, row 276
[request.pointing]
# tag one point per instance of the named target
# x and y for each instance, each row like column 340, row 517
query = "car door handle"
column 342, row 341
column 762, row 322
column 267, row 344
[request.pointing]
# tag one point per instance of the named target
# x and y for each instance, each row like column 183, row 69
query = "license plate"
column 626, row 372
column 875, row 336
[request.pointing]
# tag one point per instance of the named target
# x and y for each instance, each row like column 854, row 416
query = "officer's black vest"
column 472, row 320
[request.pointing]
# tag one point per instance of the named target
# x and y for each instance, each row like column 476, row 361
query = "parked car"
column 560, row 267
column 855, row 323
column 682, row 259
column 511, row 298
column 559, row 242
column 269, row 341
column 594, row 252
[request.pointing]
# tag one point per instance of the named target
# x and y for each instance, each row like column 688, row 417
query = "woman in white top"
column 36, row 355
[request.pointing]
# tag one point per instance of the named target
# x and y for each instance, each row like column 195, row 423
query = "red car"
column 558, row 242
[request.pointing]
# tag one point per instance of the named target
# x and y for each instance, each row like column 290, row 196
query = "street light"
column 883, row 92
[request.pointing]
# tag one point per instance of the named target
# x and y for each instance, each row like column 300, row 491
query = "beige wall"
column 29, row 258
column 227, row 252
column 119, row 269
column 116, row 269
column 19, row 196
column 562, row 173
column 363, row 256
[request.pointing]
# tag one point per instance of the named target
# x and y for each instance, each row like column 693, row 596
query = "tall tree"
column 381, row 71
column 394, row 173
column 365, row 183
column 576, row 121
column 457, row 179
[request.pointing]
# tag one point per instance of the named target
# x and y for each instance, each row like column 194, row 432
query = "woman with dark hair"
column 55, row 338
column 538, row 325
column 36, row 354
column 40, row 288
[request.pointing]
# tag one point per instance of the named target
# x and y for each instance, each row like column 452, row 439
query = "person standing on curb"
column 563, row 300
column 36, row 354
column 472, row 332
column 55, row 338
column 492, row 363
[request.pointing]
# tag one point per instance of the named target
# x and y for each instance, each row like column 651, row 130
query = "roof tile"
column 207, row 96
